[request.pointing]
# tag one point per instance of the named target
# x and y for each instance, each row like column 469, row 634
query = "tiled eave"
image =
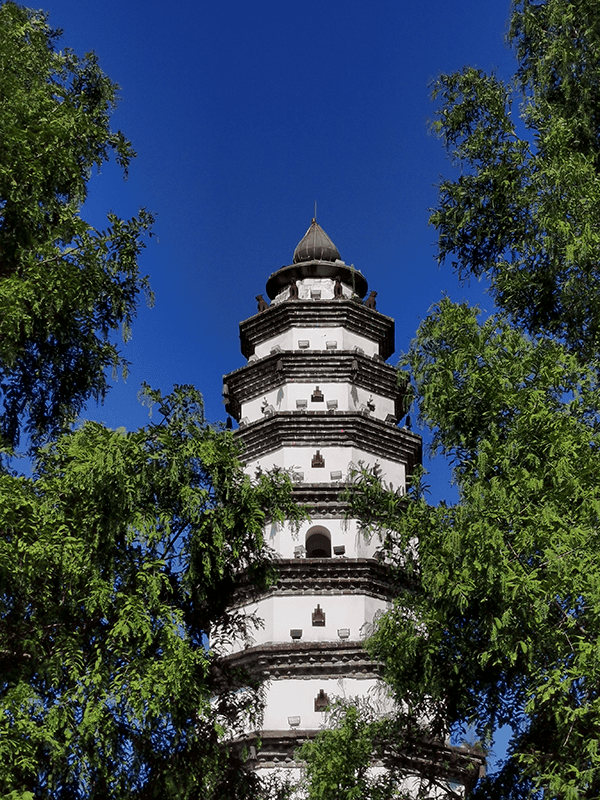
column 434, row 760
column 346, row 314
column 337, row 429
column 313, row 367
column 305, row 660
column 331, row 576
column 321, row 499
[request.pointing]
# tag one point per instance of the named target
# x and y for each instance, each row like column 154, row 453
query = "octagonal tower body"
column 318, row 398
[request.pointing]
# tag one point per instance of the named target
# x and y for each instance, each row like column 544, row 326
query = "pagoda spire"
column 316, row 257
column 315, row 245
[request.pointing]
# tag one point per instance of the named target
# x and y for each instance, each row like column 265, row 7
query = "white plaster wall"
column 317, row 340
column 284, row 340
column 282, row 775
column 306, row 285
column 407, row 787
column 283, row 539
column 296, row 697
column 280, row 614
column 349, row 612
column 337, row 459
column 349, row 398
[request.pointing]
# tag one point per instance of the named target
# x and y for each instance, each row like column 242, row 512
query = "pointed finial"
column 315, row 216
column 315, row 245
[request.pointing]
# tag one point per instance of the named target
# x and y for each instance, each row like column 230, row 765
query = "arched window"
column 318, row 543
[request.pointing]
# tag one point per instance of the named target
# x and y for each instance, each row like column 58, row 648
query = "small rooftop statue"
column 370, row 301
column 262, row 303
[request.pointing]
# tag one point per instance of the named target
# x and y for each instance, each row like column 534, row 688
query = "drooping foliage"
column 504, row 627
column 369, row 749
column 339, row 762
column 65, row 287
column 124, row 550
column 116, row 560
column 524, row 210
column 503, row 630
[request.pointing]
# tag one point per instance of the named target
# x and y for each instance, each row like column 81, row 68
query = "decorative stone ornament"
column 262, row 303
column 370, row 301
column 318, row 617
column 321, row 701
column 317, row 396
column 317, row 460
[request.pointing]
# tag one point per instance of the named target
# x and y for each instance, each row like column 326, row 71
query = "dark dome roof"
column 316, row 256
column 316, row 246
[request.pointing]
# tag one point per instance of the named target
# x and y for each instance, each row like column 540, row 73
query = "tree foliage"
column 505, row 625
column 503, row 629
column 116, row 560
column 65, row 287
column 123, row 550
column 524, row 210
column 367, row 753
column 339, row 762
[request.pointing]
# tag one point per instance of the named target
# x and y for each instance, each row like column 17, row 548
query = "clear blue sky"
column 243, row 114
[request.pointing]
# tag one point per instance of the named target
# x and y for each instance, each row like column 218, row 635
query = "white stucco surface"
column 348, row 532
column 281, row 614
column 337, row 459
column 349, row 398
column 317, row 339
column 292, row 697
column 308, row 285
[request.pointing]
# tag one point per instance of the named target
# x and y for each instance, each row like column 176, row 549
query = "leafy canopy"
column 525, row 209
column 504, row 626
column 64, row 286
column 339, row 761
column 366, row 752
column 125, row 549
column 116, row 560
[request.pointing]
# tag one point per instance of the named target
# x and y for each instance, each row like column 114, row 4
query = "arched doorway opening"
column 318, row 543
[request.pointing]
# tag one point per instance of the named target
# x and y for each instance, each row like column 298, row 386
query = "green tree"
column 344, row 762
column 116, row 560
column 64, row 286
column 505, row 624
column 504, row 628
column 338, row 761
column 525, row 210
column 368, row 753
column 124, row 550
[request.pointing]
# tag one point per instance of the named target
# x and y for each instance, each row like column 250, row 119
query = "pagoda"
column 318, row 399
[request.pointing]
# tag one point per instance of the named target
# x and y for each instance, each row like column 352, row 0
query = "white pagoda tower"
column 317, row 398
